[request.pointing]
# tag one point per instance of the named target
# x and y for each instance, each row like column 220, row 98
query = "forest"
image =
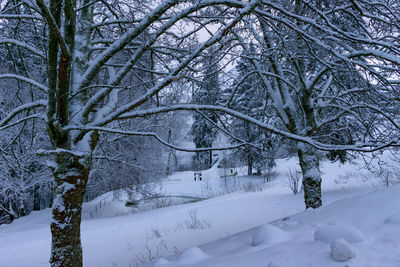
column 106, row 95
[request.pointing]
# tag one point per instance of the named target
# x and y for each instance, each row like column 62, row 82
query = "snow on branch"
column 27, row 106
column 174, row 74
column 60, row 151
column 22, row 45
column 150, row 134
column 124, row 40
column 34, row 116
column 362, row 147
column 20, row 16
column 376, row 53
column 24, row 79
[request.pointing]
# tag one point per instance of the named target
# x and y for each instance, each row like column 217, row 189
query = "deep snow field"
column 239, row 224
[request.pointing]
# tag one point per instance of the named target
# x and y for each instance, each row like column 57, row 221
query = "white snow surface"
column 268, row 234
column 114, row 236
column 330, row 233
column 341, row 251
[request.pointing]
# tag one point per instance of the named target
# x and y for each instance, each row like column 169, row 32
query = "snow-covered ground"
column 254, row 228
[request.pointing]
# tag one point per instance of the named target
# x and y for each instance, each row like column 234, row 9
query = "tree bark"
column 309, row 163
column 249, row 164
column 36, row 198
column 71, row 177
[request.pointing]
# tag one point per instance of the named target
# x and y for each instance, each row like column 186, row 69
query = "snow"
column 273, row 215
column 340, row 250
column 192, row 255
column 267, row 234
column 160, row 262
column 330, row 233
column 394, row 219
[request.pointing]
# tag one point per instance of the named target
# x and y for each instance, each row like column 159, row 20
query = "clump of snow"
column 192, row 255
column 329, row 233
column 273, row 264
column 268, row 234
column 394, row 219
column 160, row 262
column 340, row 250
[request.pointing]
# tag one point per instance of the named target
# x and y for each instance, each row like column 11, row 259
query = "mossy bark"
column 309, row 163
column 71, row 179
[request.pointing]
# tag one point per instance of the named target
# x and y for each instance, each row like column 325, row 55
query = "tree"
column 85, row 80
column 302, row 50
column 250, row 98
column 25, row 182
column 203, row 129
column 315, row 61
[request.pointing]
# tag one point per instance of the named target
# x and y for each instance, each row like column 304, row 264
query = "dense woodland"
column 98, row 96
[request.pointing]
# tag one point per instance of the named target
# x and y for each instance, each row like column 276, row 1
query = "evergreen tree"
column 249, row 97
column 203, row 130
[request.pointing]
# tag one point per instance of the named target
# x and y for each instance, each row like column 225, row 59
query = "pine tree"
column 249, row 97
column 203, row 130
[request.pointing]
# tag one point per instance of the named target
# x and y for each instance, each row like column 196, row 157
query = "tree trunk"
column 210, row 158
column 309, row 163
column 249, row 164
column 36, row 198
column 71, row 178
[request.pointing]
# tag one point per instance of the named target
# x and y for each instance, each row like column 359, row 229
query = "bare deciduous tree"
column 322, row 63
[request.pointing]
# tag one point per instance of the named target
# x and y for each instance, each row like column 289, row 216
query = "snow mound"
column 340, row 250
column 268, row 234
column 394, row 219
column 329, row 233
column 273, row 264
column 160, row 262
column 192, row 255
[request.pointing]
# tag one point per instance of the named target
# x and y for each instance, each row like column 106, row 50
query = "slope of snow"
column 367, row 214
column 167, row 232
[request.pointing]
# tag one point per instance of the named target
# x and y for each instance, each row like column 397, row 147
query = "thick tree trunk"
column 309, row 163
column 71, row 179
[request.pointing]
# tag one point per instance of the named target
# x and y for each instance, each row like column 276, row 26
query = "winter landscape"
column 199, row 133
column 238, row 225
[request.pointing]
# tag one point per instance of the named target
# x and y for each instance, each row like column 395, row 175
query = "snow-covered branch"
column 362, row 147
column 174, row 74
column 60, row 151
column 150, row 134
column 22, row 45
column 19, row 109
column 24, row 79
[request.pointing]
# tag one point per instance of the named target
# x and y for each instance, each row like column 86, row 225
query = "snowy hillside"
column 182, row 233
column 368, row 225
